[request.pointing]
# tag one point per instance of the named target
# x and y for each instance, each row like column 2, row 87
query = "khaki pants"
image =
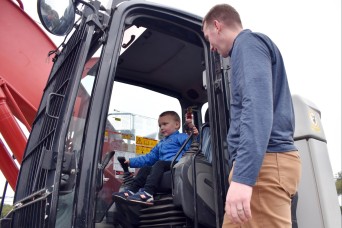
column 271, row 197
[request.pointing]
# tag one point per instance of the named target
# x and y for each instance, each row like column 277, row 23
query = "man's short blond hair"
column 224, row 13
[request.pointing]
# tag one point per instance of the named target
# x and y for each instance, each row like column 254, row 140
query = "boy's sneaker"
column 141, row 197
column 122, row 196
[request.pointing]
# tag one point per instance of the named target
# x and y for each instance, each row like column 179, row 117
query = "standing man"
column 266, row 164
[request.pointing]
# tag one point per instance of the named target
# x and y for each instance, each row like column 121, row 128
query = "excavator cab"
column 118, row 68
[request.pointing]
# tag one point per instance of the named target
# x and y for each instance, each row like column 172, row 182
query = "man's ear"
column 217, row 25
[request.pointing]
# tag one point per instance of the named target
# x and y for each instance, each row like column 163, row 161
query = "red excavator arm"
column 24, row 70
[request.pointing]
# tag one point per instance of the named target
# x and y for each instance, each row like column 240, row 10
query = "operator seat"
column 183, row 182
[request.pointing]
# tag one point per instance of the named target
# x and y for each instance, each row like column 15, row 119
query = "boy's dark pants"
column 149, row 177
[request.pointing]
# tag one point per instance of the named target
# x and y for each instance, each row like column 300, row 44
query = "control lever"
column 124, row 165
column 127, row 176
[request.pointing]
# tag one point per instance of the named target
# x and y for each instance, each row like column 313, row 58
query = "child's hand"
column 195, row 130
column 191, row 126
column 127, row 162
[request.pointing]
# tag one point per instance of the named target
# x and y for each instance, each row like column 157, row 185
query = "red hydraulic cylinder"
column 10, row 129
column 7, row 166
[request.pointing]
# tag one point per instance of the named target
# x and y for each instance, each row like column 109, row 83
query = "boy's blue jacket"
column 165, row 150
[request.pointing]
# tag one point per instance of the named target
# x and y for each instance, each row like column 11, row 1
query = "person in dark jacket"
column 266, row 166
column 157, row 161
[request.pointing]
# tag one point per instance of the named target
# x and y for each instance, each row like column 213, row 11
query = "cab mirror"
column 57, row 16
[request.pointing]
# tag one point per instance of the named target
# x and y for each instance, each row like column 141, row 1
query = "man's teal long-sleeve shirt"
column 262, row 116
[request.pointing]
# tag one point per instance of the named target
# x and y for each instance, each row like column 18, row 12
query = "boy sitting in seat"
column 158, row 161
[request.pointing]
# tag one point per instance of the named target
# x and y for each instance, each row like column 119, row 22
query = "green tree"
column 6, row 208
column 338, row 184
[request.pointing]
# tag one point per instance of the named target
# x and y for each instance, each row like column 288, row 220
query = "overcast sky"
column 308, row 33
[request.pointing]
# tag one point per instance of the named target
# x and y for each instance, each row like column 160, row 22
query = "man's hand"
column 238, row 202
